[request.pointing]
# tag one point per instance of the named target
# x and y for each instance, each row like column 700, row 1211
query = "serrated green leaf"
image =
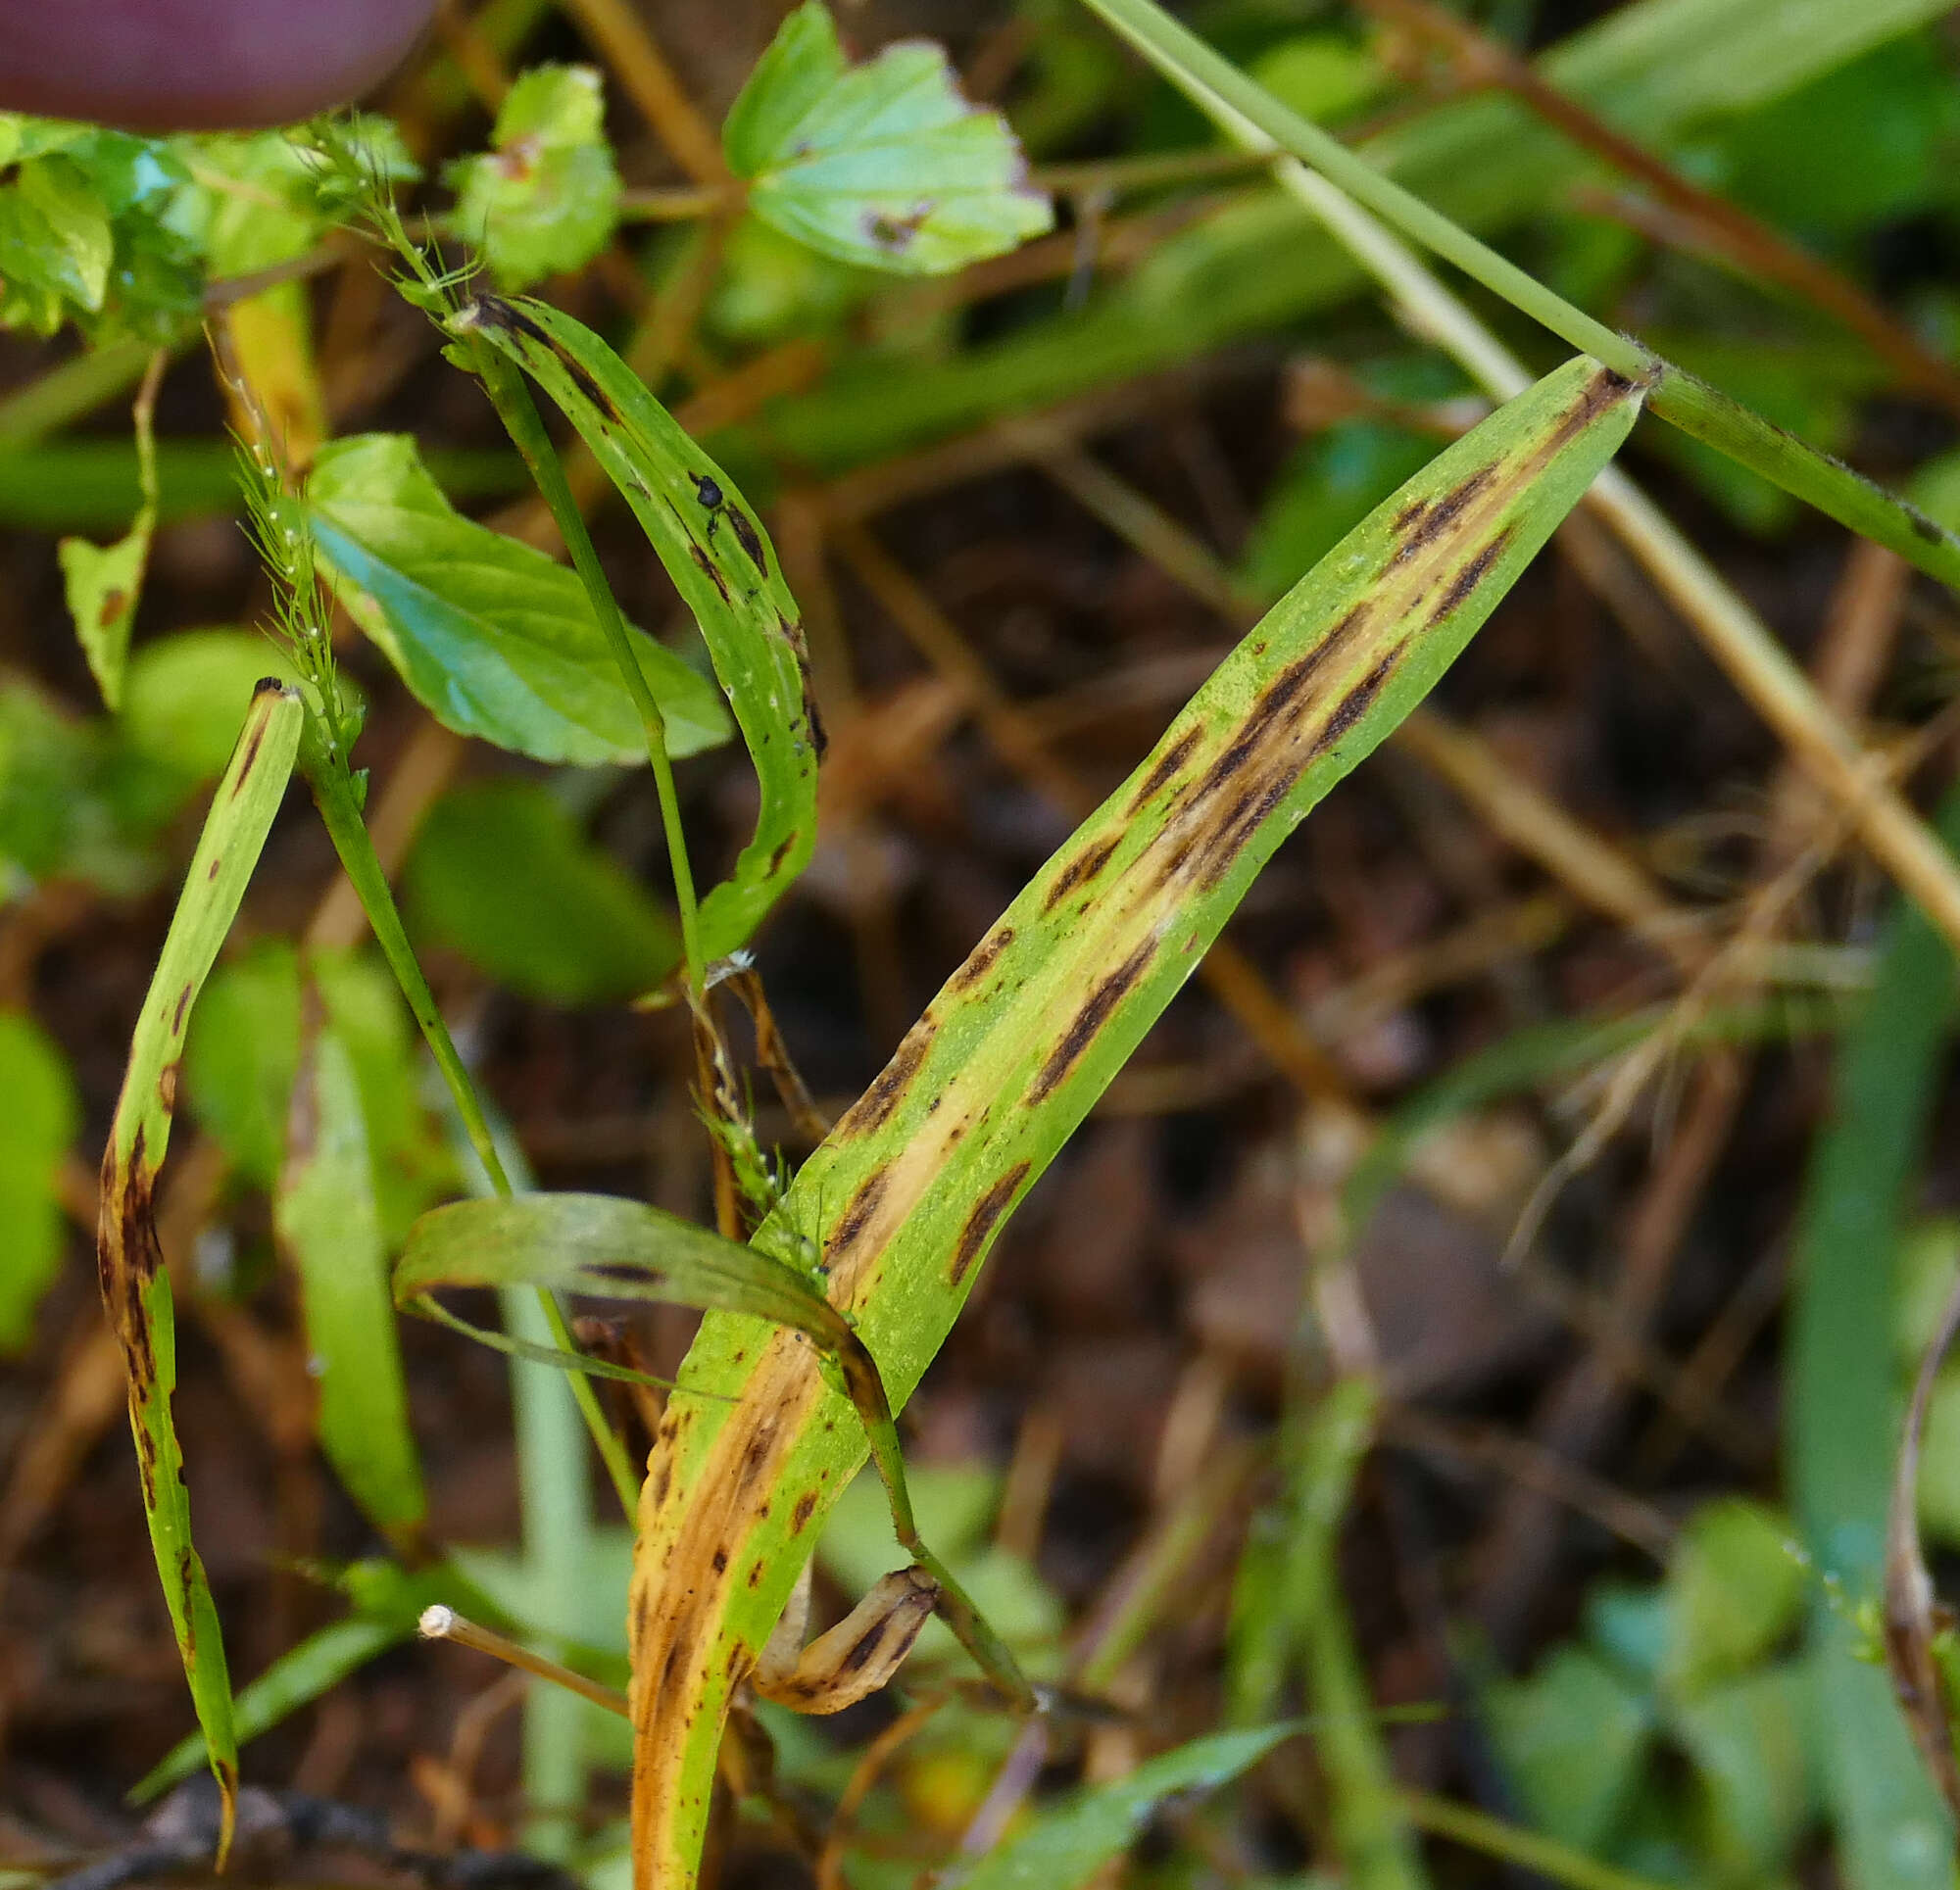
column 884, row 163
column 135, row 1288
column 38, row 1120
column 1067, row 1847
column 493, row 638
column 547, row 197
column 723, row 566
column 580, row 932
column 328, row 1224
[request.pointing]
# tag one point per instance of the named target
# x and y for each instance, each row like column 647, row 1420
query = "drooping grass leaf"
column 883, row 164
column 601, row 1244
column 329, row 1225
column 38, row 1120
column 546, row 196
column 135, row 1288
column 909, row 1191
column 494, row 638
column 725, row 570
column 1067, row 1847
column 584, row 933
column 611, row 1247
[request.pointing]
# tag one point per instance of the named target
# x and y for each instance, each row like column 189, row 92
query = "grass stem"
column 333, row 795
column 519, row 414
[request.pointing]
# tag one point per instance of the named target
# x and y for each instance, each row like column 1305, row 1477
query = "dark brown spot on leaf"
column 806, row 1508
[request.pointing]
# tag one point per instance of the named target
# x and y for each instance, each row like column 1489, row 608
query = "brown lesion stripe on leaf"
column 1471, row 575
column 981, row 1222
column 857, row 1217
column 747, row 536
column 877, row 1105
column 714, row 572
column 1089, row 1021
column 1423, row 523
column 1079, row 871
column 493, row 312
column 982, row 959
column 1167, row 765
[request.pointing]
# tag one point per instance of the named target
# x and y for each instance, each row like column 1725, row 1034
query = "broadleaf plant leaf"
column 38, row 1122
column 883, row 164
column 725, row 570
column 908, row 1194
column 102, row 582
column 135, row 1288
column 546, row 196
column 584, row 933
column 328, row 1222
column 493, row 638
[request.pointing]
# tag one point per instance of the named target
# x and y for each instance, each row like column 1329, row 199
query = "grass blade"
column 1068, row 1845
column 328, row 1222
column 1893, row 1833
column 909, row 1191
column 135, row 1288
column 1701, row 411
column 725, row 570
column 606, row 1247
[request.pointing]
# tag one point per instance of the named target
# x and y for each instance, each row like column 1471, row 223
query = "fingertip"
column 199, row 65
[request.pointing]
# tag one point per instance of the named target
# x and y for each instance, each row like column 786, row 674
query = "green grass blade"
column 1066, row 1846
column 606, row 1247
column 1843, row 1434
column 905, row 1196
column 299, row 1676
column 328, row 1221
column 708, row 538
column 1679, row 398
column 610, row 1247
column 135, row 1288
